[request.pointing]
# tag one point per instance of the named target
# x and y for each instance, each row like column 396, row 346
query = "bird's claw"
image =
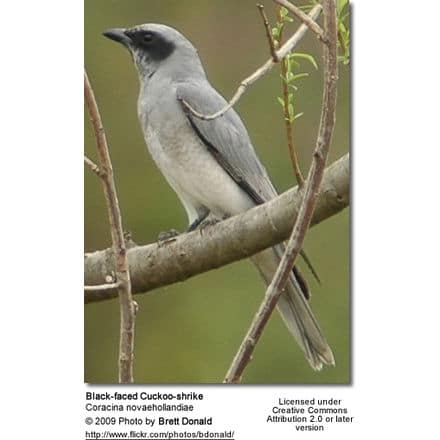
column 210, row 221
column 167, row 236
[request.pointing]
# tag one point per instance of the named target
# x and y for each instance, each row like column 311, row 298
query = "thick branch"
column 239, row 237
column 304, row 218
column 286, row 48
column 123, row 284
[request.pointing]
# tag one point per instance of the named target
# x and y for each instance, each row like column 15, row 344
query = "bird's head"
column 155, row 45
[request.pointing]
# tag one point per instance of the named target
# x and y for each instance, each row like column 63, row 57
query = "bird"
column 210, row 164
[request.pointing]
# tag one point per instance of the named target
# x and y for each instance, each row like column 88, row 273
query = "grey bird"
column 210, row 164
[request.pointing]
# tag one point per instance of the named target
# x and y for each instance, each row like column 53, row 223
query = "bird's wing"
column 227, row 140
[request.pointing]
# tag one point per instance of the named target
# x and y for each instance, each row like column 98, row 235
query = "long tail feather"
column 295, row 311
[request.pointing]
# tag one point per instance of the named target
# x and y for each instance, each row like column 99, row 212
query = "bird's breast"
column 184, row 160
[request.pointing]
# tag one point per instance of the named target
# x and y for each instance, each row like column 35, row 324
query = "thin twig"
column 273, row 50
column 127, row 310
column 287, row 122
column 100, row 287
column 93, row 166
column 309, row 22
column 287, row 47
column 294, row 246
column 310, row 266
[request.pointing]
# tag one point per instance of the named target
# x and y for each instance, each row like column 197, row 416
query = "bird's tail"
column 295, row 310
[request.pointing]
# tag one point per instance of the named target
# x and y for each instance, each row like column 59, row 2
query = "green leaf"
column 291, row 62
column 344, row 59
column 310, row 6
column 340, row 5
column 298, row 115
column 343, row 17
column 300, row 75
column 290, row 108
column 305, row 56
column 281, row 101
column 342, row 29
column 284, row 79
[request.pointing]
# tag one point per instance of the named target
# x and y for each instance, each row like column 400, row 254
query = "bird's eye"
column 147, row 37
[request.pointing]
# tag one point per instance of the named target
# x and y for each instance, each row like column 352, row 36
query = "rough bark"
column 238, row 237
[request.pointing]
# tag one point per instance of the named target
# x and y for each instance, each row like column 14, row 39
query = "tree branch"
column 286, row 48
column 272, row 48
column 239, row 237
column 92, row 165
column 287, row 122
column 126, row 343
column 303, row 220
column 306, row 19
column 99, row 287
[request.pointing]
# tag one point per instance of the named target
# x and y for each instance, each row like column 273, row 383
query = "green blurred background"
column 189, row 332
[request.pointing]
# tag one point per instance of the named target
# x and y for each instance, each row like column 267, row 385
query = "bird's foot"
column 167, row 236
column 128, row 238
column 210, row 221
column 198, row 221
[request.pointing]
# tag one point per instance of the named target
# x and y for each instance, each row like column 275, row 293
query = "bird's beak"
column 119, row 35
